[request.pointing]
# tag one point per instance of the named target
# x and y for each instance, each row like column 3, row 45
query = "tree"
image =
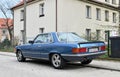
column 5, row 8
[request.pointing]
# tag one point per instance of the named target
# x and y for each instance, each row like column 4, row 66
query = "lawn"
column 7, row 49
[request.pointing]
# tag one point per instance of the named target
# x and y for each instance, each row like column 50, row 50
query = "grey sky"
column 11, row 3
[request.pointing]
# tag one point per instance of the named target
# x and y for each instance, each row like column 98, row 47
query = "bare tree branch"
column 5, row 8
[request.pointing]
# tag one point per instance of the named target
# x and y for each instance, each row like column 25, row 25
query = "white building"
column 88, row 18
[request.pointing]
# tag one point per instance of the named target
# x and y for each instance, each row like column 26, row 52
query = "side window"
column 62, row 37
column 39, row 39
column 44, row 38
column 47, row 38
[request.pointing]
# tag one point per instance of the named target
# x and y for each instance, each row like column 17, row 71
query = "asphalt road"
column 10, row 67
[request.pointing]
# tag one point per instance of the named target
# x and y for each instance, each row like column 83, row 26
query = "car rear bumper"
column 81, row 57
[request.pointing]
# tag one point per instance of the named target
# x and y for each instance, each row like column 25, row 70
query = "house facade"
column 91, row 19
column 4, row 34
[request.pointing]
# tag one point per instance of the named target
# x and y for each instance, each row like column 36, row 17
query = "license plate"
column 93, row 49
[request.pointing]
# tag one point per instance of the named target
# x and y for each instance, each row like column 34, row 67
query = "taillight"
column 82, row 50
column 79, row 50
column 102, row 48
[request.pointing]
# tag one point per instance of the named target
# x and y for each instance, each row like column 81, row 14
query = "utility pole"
column 119, row 18
column 56, row 16
column 24, row 27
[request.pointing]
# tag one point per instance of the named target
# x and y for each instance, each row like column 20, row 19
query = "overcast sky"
column 11, row 4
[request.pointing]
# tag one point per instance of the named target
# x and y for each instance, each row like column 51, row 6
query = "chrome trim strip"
column 30, row 53
column 44, row 53
column 35, row 53
column 81, row 55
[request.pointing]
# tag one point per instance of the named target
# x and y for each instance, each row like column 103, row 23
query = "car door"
column 47, row 46
column 35, row 48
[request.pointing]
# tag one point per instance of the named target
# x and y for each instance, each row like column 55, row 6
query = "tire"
column 85, row 62
column 57, row 61
column 20, row 56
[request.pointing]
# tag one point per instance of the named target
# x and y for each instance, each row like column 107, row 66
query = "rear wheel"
column 20, row 56
column 57, row 61
column 88, row 61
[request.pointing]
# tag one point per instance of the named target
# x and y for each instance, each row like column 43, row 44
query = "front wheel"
column 88, row 61
column 57, row 61
column 20, row 56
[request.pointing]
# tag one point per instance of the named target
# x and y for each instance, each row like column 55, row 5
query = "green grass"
column 7, row 49
column 106, row 57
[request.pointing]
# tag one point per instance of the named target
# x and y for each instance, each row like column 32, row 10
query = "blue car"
column 59, row 48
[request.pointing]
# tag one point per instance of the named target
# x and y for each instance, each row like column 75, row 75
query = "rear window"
column 70, row 37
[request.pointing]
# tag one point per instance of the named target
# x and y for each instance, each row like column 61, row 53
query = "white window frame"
column 41, row 9
column 98, row 32
column 22, row 15
column 113, row 1
column 107, row 0
column 98, row 14
column 106, row 15
column 88, row 12
column 114, row 17
column 88, row 34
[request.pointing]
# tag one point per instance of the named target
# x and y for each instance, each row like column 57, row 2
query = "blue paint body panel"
column 43, row 50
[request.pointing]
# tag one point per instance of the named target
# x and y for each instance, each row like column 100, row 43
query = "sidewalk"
column 8, row 54
column 106, row 64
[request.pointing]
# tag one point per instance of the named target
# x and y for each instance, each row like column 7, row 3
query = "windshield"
column 70, row 37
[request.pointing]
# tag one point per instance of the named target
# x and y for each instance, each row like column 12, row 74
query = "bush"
column 5, row 44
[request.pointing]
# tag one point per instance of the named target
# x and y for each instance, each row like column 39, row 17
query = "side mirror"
column 31, row 42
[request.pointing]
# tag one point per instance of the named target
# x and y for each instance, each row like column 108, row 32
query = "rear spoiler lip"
column 91, row 42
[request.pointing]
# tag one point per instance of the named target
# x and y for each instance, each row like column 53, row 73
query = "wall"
column 33, row 21
column 72, row 17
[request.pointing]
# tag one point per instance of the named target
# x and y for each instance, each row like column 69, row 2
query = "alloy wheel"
column 20, row 57
column 56, row 60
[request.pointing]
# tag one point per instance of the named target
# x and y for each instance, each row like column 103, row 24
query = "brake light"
column 82, row 50
column 79, row 50
column 102, row 48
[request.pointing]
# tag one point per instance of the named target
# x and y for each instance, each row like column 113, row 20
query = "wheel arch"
column 53, row 52
column 17, row 50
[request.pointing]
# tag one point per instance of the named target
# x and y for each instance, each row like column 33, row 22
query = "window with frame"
column 106, row 15
column 41, row 30
column 88, row 34
column 4, row 32
column 98, row 14
column 107, row 0
column 41, row 10
column 88, row 11
column 114, row 17
column 22, row 15
column 98, row 34
column 113, row 1
column 106, row 35
column 22, row 36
